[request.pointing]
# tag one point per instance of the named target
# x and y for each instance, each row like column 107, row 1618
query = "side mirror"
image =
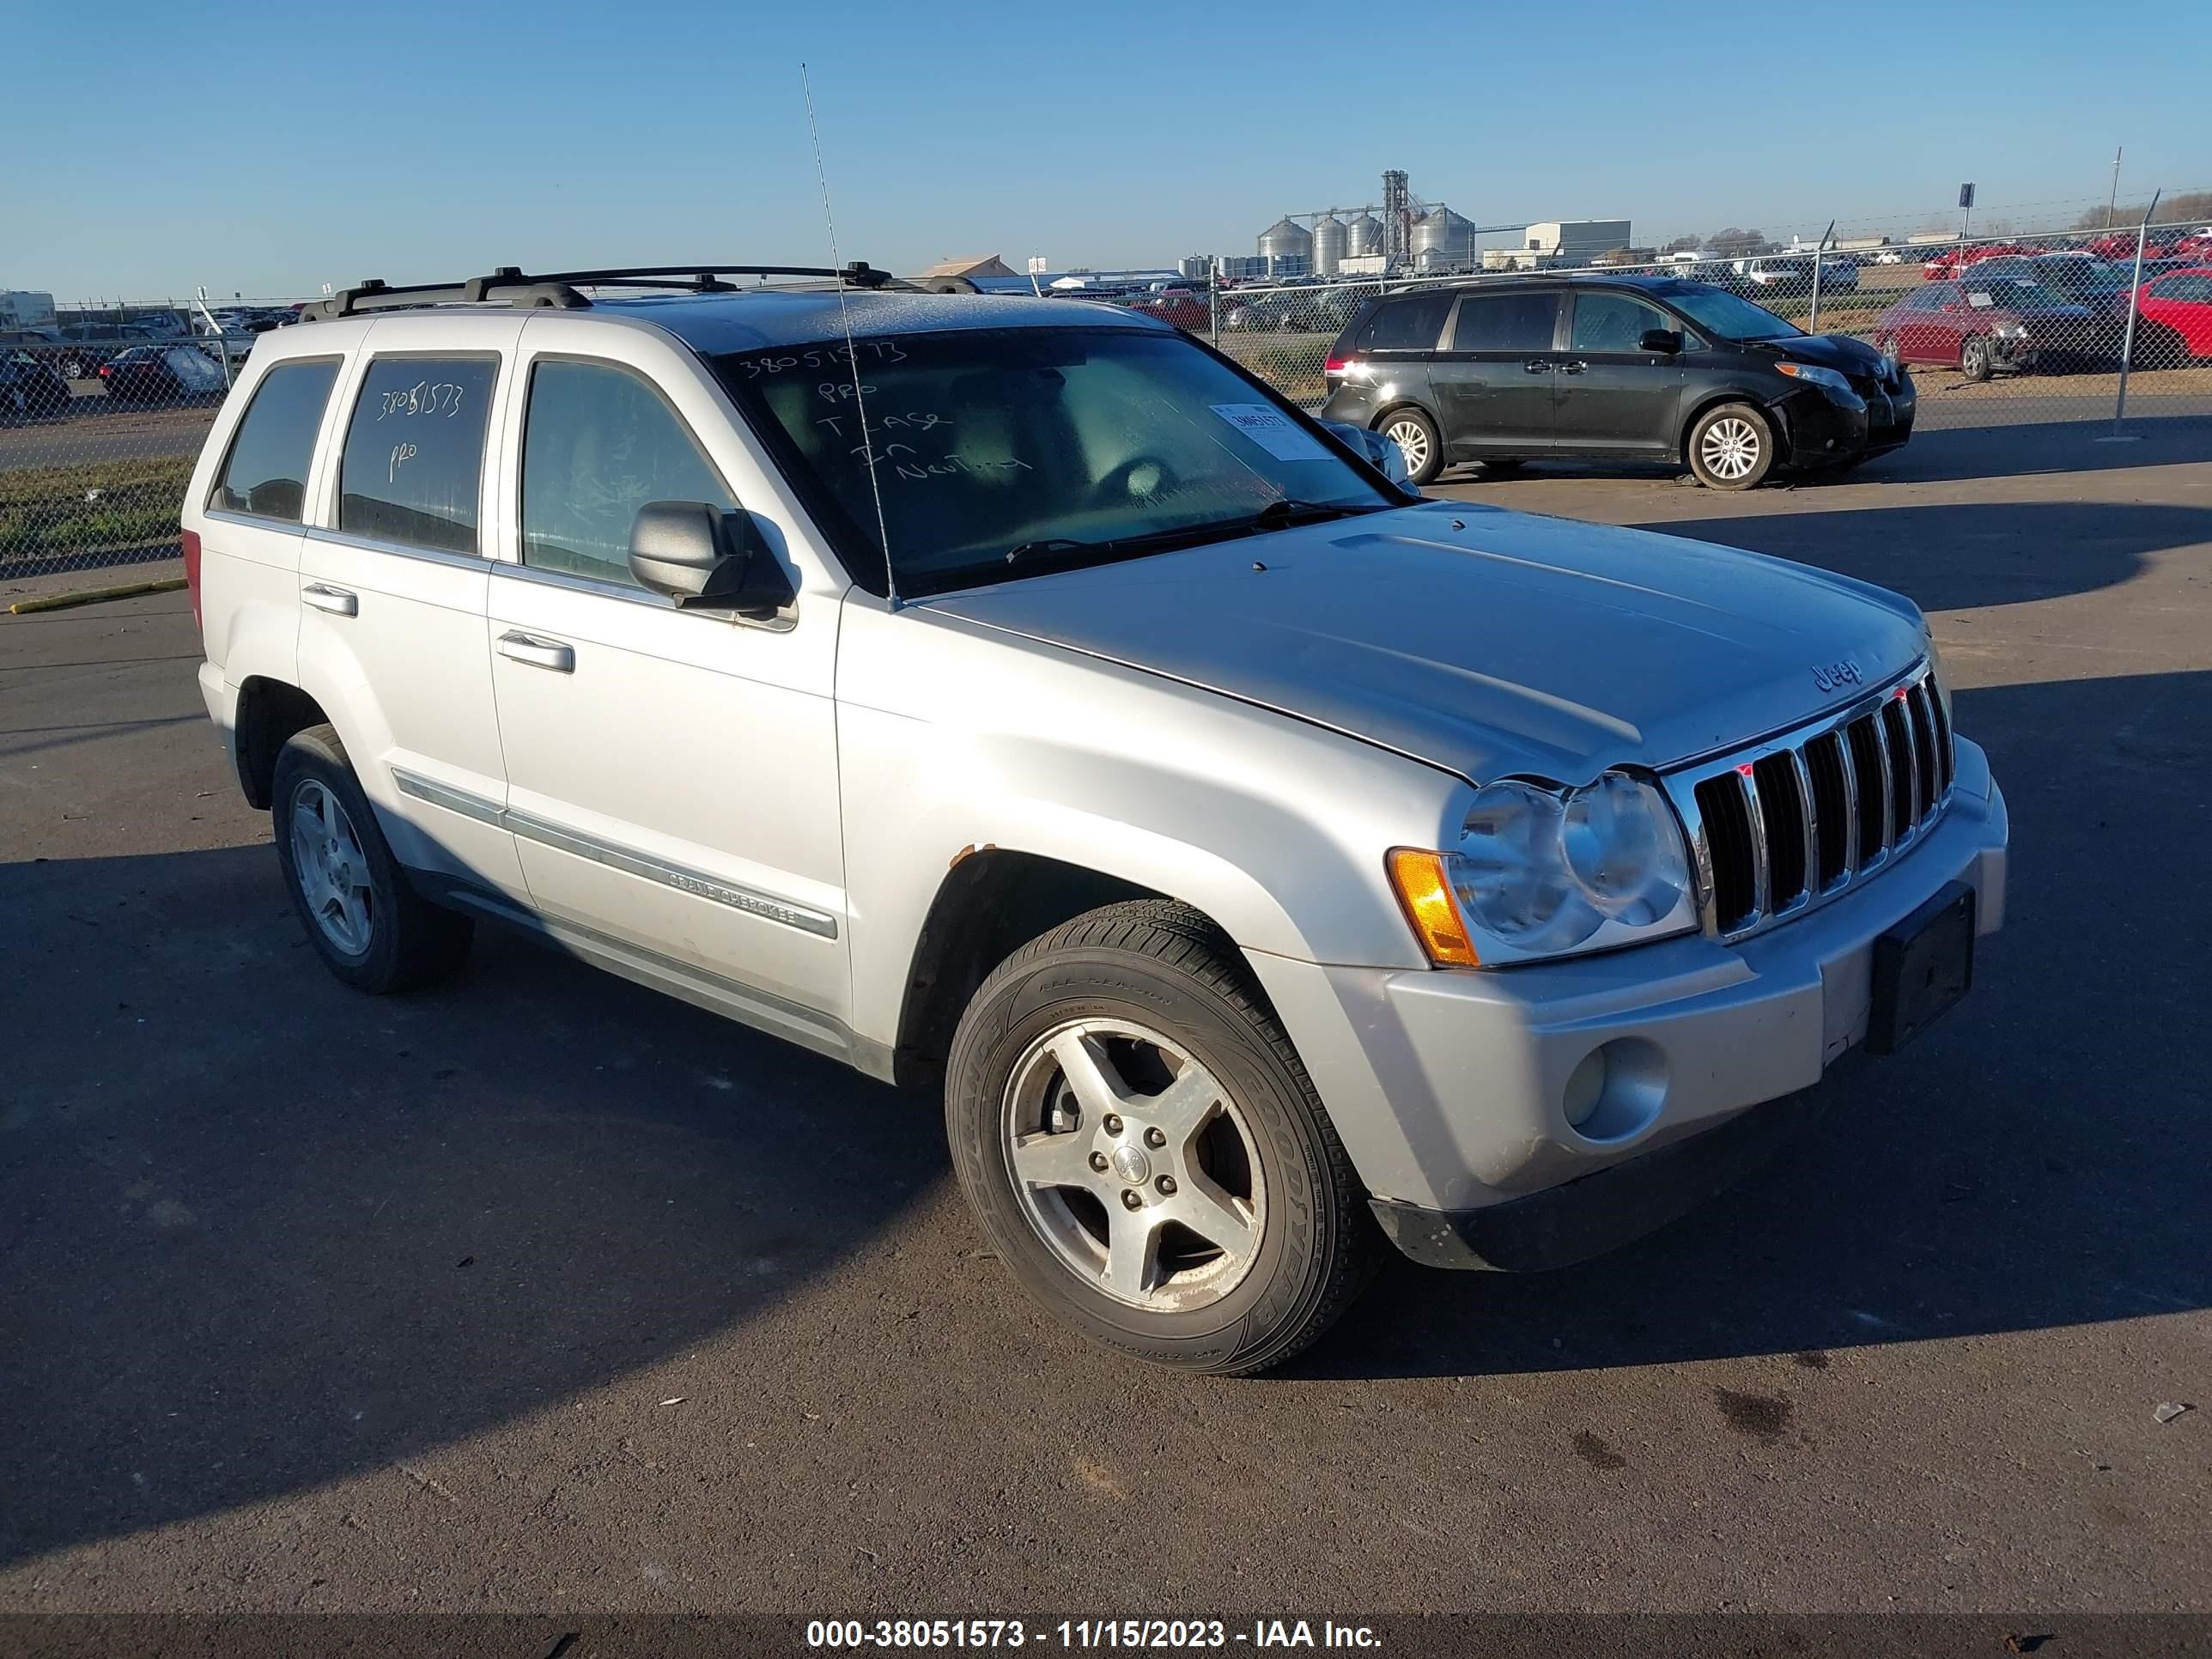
column 1380, row 452
column 1667, row 340
column 705, row 559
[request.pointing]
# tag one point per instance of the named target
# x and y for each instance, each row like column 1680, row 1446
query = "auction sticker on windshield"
column 1272, row 431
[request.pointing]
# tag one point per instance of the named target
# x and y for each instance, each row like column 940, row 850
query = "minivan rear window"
column 413, row 467
column 266, row 472
column 1409, row 324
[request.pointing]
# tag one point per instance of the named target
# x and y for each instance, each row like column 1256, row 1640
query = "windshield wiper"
column 1277, row 514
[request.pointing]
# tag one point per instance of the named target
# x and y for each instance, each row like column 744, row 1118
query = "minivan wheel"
column 1731, row 447
column 1416, row 435
column 366, row 921
column 1138, row 1138
column 1974, row 358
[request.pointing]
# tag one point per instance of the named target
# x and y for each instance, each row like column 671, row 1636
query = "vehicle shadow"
column 2036, row 1159
column 1955, row 556
column 261, row 1231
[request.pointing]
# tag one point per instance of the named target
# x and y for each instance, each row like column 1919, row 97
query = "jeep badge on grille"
column 1833, row 676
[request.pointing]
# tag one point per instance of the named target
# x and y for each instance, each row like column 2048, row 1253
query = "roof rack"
column 558, row 290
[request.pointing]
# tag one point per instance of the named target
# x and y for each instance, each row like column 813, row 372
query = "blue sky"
column 415, row 142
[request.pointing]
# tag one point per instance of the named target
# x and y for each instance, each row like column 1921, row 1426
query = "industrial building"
column 1559, row 242
column 1398, row 232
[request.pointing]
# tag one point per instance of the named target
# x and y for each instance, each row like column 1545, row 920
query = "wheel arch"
column 1708, row 402
column 269, row 711
column 991, row 900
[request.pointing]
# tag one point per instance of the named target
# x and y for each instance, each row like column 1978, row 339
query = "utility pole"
column 2112, row 202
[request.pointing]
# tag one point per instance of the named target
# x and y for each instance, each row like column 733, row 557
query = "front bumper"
column 1448, row 1086
column 1820, row 430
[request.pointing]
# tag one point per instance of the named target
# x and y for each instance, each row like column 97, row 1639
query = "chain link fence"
column 1998, row 332
column 102, row 414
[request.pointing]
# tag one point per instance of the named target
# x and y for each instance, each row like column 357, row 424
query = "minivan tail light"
column 1335, row 364
column 192, row 545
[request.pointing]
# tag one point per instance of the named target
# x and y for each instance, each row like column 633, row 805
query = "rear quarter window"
column 412, row 471
column 1413, row 323
column 265, row 474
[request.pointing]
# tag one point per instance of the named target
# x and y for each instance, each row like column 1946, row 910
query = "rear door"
column 1494, row 381
column 1613, row 396
column 1396, row 348
column 393, row 580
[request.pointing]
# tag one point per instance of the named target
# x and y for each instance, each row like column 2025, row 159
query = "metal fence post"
column 2135, row 304
column 1213, row 306
column 1813, row 319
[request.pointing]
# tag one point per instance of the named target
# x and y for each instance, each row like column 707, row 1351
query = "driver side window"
column 599, row 443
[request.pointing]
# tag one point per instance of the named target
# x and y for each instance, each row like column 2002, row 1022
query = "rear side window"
column 1412, row 324
column 598, row 444
column 266, row 474
column 1505, row 322
column 413, row 467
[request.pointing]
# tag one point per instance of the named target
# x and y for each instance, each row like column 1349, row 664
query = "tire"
column 1974, row 359
column 1143, row 992
column 1413, row 430
column 1731, row 447
column 1886, row 344
column 365, row 919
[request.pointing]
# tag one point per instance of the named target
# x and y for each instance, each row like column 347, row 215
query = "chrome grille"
column 1788, row 825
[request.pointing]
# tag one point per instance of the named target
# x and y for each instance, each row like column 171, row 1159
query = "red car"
column 1979, row 327
column 2174, row 322
column 1941, row 267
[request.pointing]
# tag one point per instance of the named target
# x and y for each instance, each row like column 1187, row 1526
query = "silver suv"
column 1020, row 701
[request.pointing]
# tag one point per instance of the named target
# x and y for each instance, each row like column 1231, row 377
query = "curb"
column 94, row 596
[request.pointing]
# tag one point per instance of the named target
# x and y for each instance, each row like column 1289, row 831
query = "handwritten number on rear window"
column 424, row 397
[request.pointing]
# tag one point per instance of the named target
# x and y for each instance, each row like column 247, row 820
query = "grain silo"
column 1362, row 237
column 1288, row 248
column 1444, row 240
column 1329, row 241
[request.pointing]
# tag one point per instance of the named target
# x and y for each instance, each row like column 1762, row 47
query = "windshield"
column 1053, row 446
column 1723, row 315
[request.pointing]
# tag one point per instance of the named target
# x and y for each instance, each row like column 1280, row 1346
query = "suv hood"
column 1486, row 642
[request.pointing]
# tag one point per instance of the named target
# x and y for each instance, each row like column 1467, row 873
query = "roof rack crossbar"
column 558, row 290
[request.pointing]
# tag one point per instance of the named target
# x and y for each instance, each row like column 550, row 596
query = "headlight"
column 2010, row 331
column 1540, row 871
column 1827, row 378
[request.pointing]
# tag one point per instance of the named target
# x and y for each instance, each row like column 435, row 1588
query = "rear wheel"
column 1136, row 1133
column 1731, row 447
column 1974, row 359
column 1415, row 434
column 368, row 924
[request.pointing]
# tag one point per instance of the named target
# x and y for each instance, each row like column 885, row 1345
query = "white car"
column 1020, row 702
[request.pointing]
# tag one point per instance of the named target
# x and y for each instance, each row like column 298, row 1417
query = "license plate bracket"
column 1921, row 966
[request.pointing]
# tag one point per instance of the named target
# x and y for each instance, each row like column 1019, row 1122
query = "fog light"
column 1585, row 1088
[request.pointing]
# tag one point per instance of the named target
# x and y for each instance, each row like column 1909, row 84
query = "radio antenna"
column 852, row 356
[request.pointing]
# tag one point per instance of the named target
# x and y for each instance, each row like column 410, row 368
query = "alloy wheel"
column 1729, row 448
column 1134, row 1164
column 331, row 869
column 1413, row 439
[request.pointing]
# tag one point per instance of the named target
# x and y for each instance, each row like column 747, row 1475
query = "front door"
column 391, row 588
column 1494, row 381
column 672, row 774
column 1613, row 396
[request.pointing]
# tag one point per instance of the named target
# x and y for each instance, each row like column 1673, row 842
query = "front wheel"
column 1731, row 447
column 1416, row 435
column 1137, row 1137
column 1974, row 359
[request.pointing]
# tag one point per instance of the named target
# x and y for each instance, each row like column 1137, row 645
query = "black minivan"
column 1656, row 368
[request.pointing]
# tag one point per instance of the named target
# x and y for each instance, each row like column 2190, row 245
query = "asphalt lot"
column 540, row 1291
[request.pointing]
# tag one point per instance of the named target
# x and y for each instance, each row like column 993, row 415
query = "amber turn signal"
column 1419, row 879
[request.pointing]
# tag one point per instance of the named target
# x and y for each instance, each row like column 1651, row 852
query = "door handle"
column 1535, row 366
column 335, row 600
column 1574, row 368
column 538, row 653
